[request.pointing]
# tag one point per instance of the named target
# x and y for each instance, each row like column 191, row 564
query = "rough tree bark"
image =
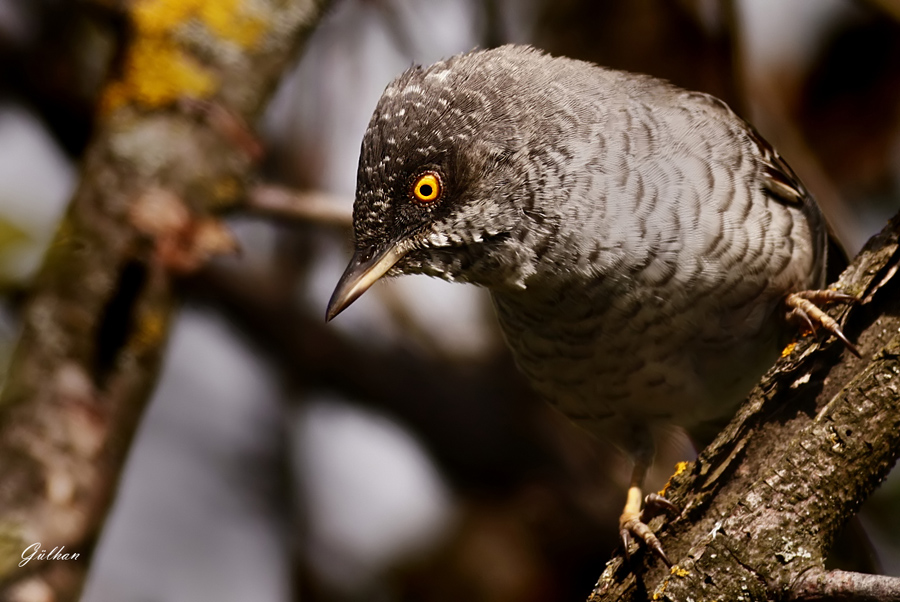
column 763, row 503
column 169, row 153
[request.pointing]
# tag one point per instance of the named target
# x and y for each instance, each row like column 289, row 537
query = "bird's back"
column 669, row 236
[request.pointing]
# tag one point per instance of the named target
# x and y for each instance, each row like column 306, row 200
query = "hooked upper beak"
column 362, row 272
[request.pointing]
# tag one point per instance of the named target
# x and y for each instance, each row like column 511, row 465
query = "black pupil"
column 425, row 190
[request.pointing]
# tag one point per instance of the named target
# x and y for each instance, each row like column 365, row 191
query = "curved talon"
column 632, row 523
column 801, row 316
column 802, row 306
column 627, row 541
column 839, row 334
column 635, row 528
column 655, row 504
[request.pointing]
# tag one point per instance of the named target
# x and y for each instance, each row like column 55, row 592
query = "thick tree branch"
column 763, row 503
column 95, row 327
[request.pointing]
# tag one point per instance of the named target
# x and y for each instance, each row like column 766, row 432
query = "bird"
column 647, row 252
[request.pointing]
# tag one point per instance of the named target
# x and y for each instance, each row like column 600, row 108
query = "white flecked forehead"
column 466, row 110
column 424, row 112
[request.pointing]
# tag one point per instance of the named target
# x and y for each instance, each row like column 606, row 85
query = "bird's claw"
column 655, row 504
column 803, row 307
column 633, row 526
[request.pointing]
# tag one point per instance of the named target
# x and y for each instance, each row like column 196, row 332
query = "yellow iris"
column 427, row 187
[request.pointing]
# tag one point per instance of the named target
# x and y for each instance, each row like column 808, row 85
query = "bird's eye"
column 427, row 188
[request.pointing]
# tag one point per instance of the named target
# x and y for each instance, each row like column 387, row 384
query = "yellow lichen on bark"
column 232, row 21
column 680, row 467
column 157, row 74
column 157, row 71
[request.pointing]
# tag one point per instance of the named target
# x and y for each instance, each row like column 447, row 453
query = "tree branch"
column 843, row 586
column 95, row 327
column 311, row 207
column 763, row 503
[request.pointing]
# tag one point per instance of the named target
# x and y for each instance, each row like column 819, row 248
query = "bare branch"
column 313, row 207
column 842, row 586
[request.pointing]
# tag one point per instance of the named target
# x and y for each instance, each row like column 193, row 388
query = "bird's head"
column 441, row 181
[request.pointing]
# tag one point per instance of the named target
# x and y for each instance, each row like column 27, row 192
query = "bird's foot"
column 804, row 309
column 633, row 522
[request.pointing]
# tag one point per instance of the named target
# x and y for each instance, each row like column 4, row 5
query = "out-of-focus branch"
column 488, row 396
column 763, row 503
column 286, row 204
column 95, row 327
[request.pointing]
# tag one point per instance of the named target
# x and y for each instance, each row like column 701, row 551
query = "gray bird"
column 642, row 244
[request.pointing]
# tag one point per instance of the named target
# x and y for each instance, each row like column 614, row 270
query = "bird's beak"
column 365, row 268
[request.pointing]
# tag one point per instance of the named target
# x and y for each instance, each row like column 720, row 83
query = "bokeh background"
column 396, row 454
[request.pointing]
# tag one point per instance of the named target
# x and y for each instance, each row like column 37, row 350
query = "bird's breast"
column 612, row 351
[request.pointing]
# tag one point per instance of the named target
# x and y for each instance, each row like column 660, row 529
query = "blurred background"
column 395, row 454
